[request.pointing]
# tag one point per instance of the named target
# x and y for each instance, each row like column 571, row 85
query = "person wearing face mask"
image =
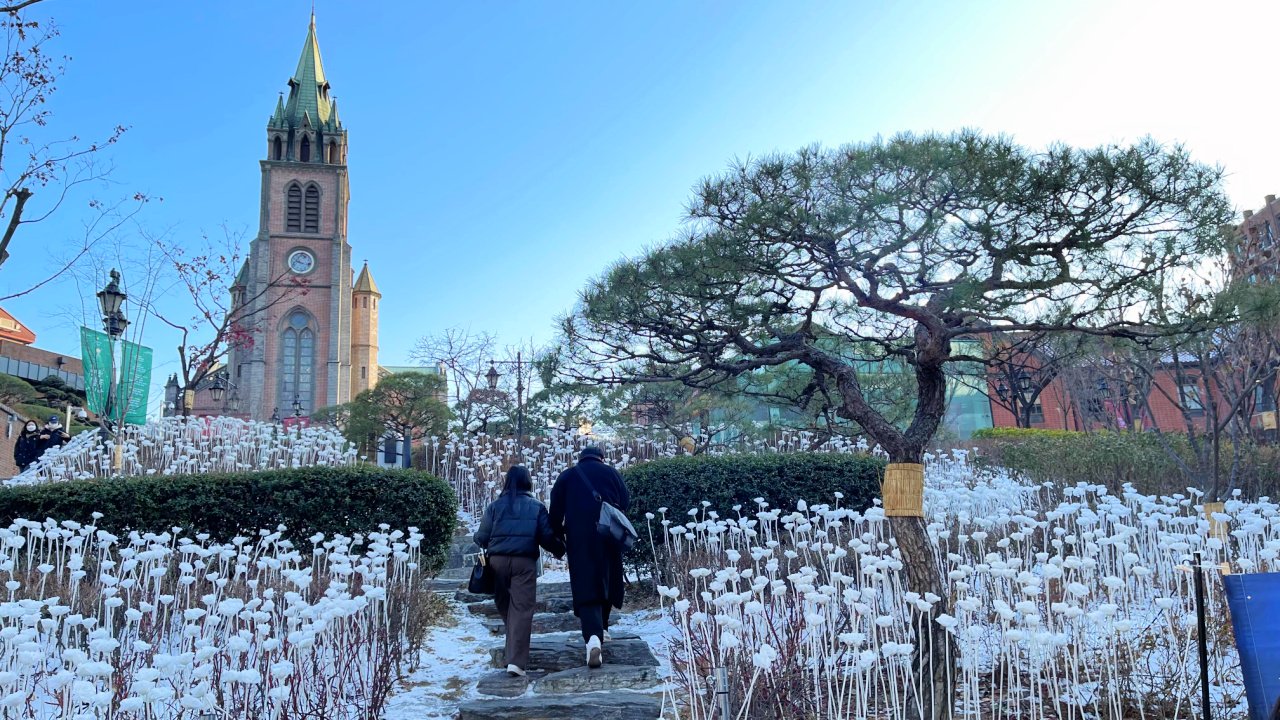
column 52, row 435
column 28, row 447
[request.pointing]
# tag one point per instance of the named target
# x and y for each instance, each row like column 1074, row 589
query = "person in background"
column 28, row 447
column 595, row 564
column 52, row 435
column 513, row 528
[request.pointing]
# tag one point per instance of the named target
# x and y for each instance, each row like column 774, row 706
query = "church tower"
column 297, row 283
column 364, row 332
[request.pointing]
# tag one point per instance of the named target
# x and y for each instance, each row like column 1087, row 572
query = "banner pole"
column 1198, row 574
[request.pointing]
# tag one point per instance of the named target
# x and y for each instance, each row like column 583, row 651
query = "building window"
column 364, row 372
column 1037, row 412
column 293, row 208
column 311, row 210
column 365, row 302
column 333, row 153
column 1267, row 237
column 277, row 149
column 305, row 155
column 297, row 362
column 1189, row 396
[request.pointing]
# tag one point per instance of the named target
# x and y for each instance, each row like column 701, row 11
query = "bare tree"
column 464, row 354
column 38, row 174
column 223, row 315
column 1024, row 367
column 1212, row 379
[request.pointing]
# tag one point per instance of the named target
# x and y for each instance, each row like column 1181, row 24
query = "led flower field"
column 192, row 445
column 474, row 464
column 163, row 626
column 1070, row 603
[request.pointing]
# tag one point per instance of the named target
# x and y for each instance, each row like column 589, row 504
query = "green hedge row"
column 306, row 500
column 1065, row 457
column 682, row 483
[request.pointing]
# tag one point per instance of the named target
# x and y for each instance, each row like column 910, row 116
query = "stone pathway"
column 559, row 685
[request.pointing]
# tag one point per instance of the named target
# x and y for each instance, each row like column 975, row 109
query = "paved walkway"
column 559, row 685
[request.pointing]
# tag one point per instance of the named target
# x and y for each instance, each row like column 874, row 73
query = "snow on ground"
column 453, row 658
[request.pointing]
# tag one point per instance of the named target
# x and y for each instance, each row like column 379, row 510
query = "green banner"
column 135, row 382
column 95, row 352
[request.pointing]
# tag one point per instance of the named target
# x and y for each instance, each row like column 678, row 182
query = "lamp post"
column 218, row 390
column 110, row 300
column 1018, row 396
column 492, row 378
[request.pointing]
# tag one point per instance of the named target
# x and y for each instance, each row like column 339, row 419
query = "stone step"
column 487, row 607
column 619, row 705
column 542, row 623
column 444, row 585
column 500, row 684
column 606, row 677
column 565, row 651
column 545, row 592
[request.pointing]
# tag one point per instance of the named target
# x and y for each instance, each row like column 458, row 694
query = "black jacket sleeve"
column 486, row 528
column 547, row 537
column 558, row 506
column 624, row 497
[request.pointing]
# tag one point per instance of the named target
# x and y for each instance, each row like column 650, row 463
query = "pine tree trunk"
column 924, row 575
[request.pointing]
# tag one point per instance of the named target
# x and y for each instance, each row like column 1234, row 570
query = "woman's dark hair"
column 518, row 480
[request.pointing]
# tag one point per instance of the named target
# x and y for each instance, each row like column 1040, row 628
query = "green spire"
column 309, row 102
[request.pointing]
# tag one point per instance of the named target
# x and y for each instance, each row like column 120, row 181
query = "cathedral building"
column 310, row 323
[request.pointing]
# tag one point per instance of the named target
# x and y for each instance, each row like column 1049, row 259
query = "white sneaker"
column 515, row 671
column 594, row 654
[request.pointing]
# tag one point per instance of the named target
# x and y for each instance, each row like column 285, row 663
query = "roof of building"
column 12, row 329
column 422, row 369
column 365, row 283
column 309, row 104
column 242, row 277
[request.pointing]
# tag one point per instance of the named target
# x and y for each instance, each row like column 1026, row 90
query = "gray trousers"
column 516, row 592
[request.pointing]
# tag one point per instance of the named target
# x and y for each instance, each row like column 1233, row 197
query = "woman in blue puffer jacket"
column 513, row 528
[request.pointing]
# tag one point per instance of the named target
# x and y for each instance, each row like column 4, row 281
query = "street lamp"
column 492, row 377
column 110, row 300
column 218, row 389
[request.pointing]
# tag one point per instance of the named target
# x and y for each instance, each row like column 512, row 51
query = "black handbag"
column 612, row 524
column 482, row 581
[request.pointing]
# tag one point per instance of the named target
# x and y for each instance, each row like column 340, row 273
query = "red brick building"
column 312, row 325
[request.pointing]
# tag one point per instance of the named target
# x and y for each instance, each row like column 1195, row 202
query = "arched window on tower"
column 333, row 153
column 293, row 208
column 277, row 149
column 297, row 362
column 305, row 154
column 311, row 210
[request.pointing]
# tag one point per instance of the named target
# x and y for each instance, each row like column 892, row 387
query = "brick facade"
column 306, row 149
column 1061, row 409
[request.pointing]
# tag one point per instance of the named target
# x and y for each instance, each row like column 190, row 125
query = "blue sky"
column 502, row 153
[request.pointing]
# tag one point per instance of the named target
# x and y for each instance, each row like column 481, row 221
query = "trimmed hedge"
column 682, row 483
column 329, row 500
column 1065, row 457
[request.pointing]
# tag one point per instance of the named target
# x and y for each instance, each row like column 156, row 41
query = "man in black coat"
column 52, row 435
column 595, row 564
